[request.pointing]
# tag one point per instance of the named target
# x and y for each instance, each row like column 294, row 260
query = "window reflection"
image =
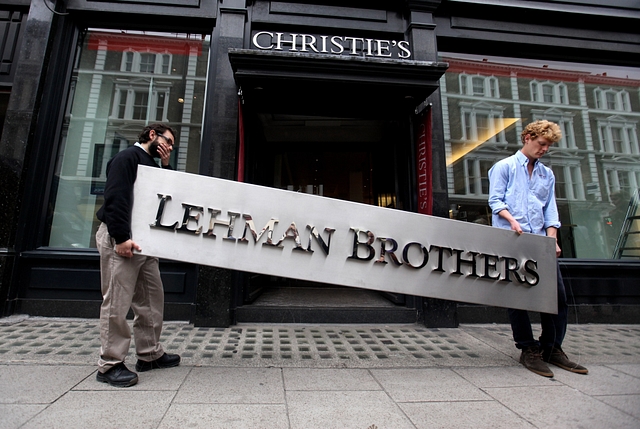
column 122, row 81
column 488, row 101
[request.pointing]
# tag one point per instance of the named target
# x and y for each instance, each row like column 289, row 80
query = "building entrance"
column 349, row 158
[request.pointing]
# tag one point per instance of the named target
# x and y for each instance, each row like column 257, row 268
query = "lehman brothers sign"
column 251, row 228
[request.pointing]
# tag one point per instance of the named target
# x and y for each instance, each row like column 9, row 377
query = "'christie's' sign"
column 251, row 228
column 335, row 45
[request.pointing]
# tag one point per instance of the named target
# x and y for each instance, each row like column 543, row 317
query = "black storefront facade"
column 317, row 98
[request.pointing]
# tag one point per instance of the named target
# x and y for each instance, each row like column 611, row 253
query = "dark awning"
column 286, row 80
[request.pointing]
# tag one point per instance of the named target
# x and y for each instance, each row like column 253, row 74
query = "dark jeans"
column 554, row 326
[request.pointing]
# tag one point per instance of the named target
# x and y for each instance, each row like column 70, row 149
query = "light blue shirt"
column 530, row 200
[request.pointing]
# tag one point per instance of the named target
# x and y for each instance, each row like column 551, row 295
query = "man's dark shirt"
column 122, row 170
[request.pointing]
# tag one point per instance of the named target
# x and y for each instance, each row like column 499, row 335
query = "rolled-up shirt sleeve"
column 498, row 181
column 550, row 210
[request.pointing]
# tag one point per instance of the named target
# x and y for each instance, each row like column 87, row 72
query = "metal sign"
column 332, row 45
column 227, row 224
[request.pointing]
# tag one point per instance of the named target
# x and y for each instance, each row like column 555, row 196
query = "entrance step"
column 323, row 305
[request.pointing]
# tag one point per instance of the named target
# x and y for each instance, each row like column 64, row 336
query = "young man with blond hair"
column 522, row 199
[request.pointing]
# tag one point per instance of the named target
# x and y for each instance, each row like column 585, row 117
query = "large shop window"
column 122, row 81
column 488, row 101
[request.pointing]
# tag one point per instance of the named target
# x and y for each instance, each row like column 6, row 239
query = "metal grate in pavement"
column 314, row 343
column 77, row 341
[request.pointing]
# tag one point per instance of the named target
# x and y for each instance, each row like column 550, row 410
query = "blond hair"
column 543, row 128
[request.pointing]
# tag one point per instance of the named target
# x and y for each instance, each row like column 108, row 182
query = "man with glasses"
column 130, row 280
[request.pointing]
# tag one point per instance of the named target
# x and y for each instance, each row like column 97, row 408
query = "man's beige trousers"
column 128, row 283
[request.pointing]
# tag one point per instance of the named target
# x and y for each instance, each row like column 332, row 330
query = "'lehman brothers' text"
column 365, row 245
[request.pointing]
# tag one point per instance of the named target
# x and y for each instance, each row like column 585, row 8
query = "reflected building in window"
column 123, row 81
column 486, row 104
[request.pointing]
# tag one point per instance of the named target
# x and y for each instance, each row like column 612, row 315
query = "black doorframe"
column 274, row 81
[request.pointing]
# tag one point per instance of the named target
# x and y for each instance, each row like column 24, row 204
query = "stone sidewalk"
column 318, row 376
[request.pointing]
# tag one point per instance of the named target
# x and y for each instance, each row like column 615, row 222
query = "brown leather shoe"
column 559, row 358
column 531, row 358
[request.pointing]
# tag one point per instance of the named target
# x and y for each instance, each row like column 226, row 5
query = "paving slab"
column 601, row 380
column 26, row 384
column 328, row 379
column 463, row 415
column 87, row 409
column 631, row 369
column 345, row 410
column 232, row 386
column 225, row 416
column 15, row 415
column 503, row 377
column 561, row 406
column 629, row 404
column 427, row 384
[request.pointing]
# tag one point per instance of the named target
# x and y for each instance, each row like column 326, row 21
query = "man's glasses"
column 167, row 139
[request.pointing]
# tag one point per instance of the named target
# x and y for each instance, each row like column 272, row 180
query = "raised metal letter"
column 384, row 251
column 405, row 255
column 357, row 243
column 313, row 232
column 230, row 224
column 158, row 222
column 189, row 217
column 268, row 228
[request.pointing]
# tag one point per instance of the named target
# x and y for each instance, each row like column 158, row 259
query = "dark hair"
column 158, row 128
